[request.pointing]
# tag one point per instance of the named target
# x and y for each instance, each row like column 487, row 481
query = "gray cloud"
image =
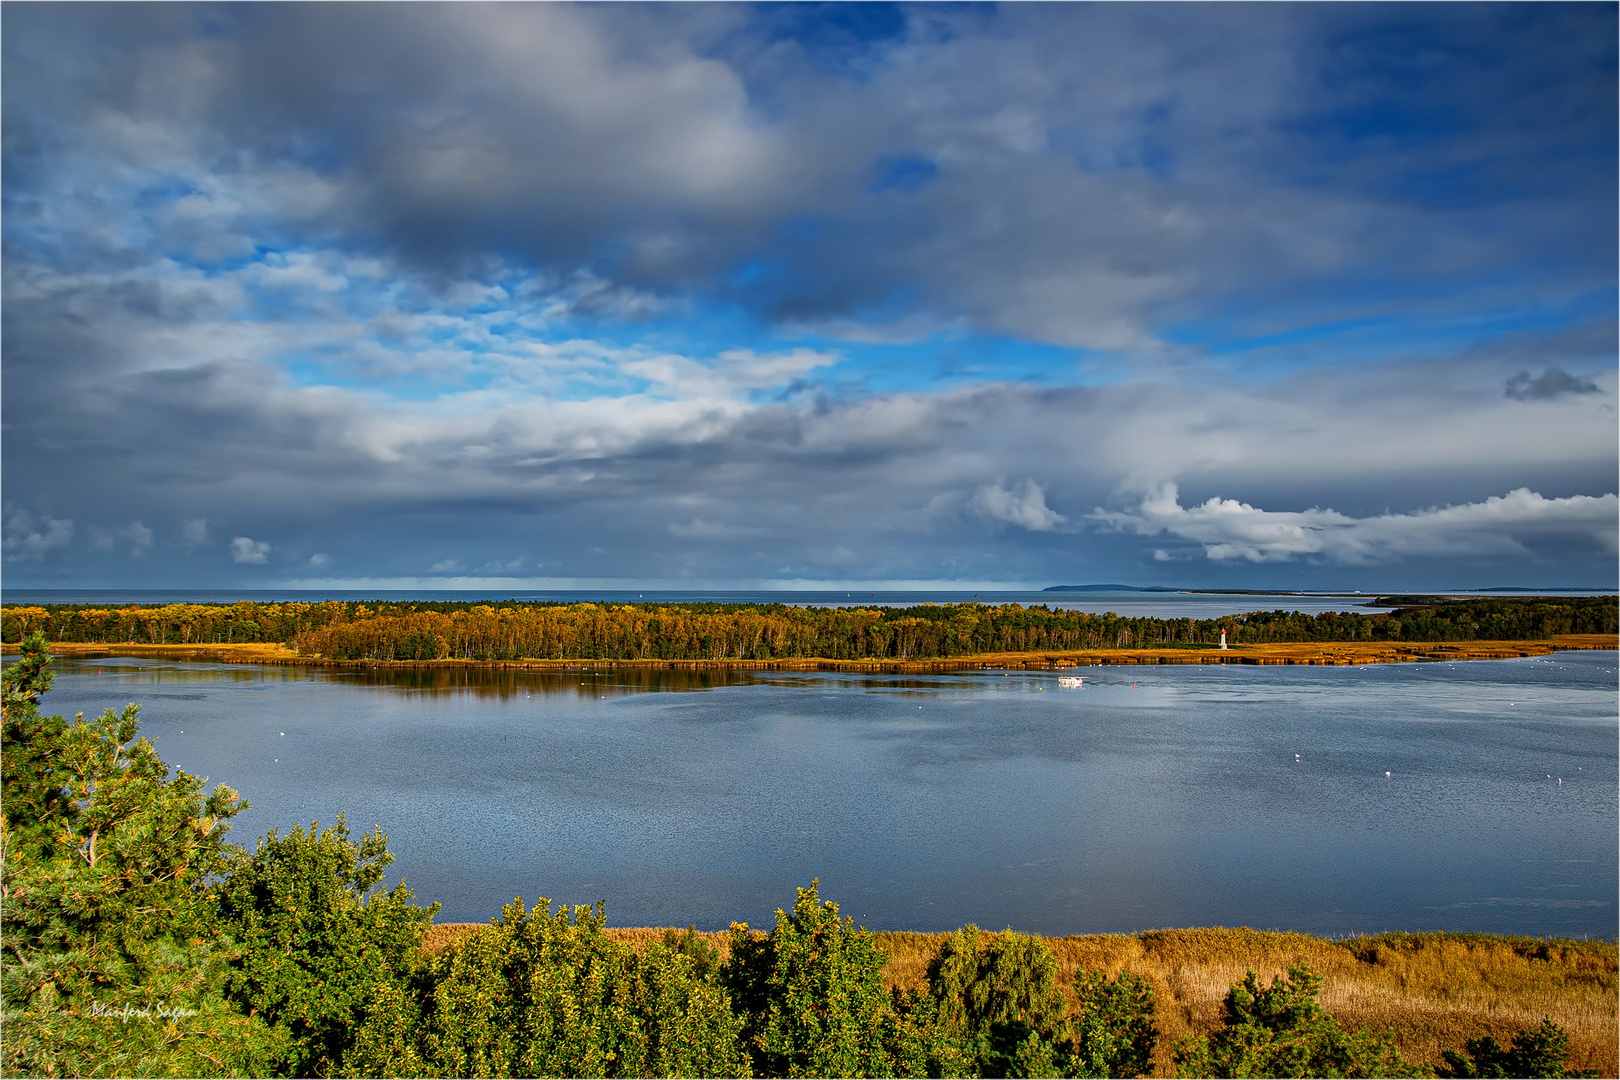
column 705, row 474
column 1551, row 383
column 193, row 533
column 28, row 537
column 137, row 536
column 1099, row 170
column 349, row 279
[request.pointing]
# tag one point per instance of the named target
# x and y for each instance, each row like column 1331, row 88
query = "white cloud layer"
column 251, row 552
column 1023, row 505
column 1498, row 526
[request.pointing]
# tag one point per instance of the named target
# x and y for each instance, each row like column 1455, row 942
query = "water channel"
column 1465, row 796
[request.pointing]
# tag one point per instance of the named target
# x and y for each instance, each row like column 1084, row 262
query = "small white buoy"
column 1388, row 773
column 283, row 734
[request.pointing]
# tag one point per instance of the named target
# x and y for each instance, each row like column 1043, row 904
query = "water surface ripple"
column 1329, row 800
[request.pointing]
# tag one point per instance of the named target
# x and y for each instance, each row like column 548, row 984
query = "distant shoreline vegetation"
column 459, row 630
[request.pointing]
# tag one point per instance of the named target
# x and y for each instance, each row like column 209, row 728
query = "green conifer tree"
column 1542, row 1051
column 110, row 963
column 1283, row 1030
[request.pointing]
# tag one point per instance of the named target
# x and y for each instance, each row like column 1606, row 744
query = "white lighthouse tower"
column 1223, row 640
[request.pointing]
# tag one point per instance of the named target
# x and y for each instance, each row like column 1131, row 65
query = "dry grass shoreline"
column 1308, row 653
column 1432, row 991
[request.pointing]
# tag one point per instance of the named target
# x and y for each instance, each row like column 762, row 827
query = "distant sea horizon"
column 1157, row 601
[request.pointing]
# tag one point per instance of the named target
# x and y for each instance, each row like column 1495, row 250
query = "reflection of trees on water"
column 166, row 671
column 505, row 683
column 501, row 683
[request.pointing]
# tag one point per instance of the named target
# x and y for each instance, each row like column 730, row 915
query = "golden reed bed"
column 1332, row 653
column 1432, row 991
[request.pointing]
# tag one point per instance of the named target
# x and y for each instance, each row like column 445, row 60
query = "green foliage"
column 705, row 957
column 998, row 994
column 108, row 964
column 1542, row 1052
column 33, row 794
column 811, row 995
column 422, row 631
column 1282, row 1030
column 998, row 997
column 549, row 994
column 982, row 980
column 28, row 677
column 316, row 935
column 918, row 1044
column 1114, row 1034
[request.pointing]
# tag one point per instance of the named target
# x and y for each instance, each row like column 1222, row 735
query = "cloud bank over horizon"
column 848, row 293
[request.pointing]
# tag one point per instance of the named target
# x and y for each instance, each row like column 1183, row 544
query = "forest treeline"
column 436, row 630
column 139, row 942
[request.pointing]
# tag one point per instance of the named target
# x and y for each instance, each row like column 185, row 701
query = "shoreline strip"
column 1293, row 653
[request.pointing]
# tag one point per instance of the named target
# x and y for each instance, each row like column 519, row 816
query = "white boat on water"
column 1071, row 680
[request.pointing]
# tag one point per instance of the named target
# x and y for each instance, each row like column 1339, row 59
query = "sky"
column 795, row 295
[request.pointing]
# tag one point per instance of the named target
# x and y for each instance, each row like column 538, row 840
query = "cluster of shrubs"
column 139, row 943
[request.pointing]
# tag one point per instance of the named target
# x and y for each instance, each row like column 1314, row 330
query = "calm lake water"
column 1329, row 800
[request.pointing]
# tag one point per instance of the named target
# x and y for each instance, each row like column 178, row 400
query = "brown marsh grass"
column 1430, row 991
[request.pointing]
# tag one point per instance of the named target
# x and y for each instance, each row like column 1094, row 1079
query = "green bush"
column 1282, row 1030
column 1543, row 1051
column 548, row 994
column 316, row 934
column 998, row 997
column 109, row 963
column 1114, row 1034
column 705, row 957
column 811, row 995
column 998, row 994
